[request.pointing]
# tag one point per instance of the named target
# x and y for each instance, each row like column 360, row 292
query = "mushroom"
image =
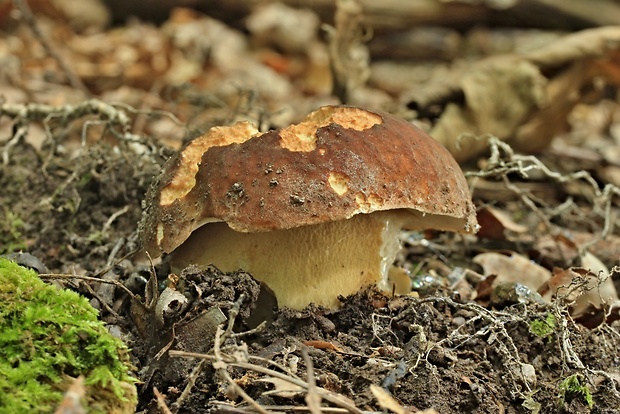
column 314, row 210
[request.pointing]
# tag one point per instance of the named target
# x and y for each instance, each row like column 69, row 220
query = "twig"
column 327, row 395
column 66, row 113
column 31, row 21
column 232, row 315
column 253, row 331
column 102, row 300
column 222, row 366
column 161, row 401
column 20, row 132
column 313, row 398
column 191, row 381
column 224, row 407
column 275, row 364
column 117, row 214
column 87, row 278
column 496, row 321
column 200, row 366
column 568, row 352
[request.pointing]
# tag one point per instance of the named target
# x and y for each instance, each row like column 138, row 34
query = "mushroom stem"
column 308, row 264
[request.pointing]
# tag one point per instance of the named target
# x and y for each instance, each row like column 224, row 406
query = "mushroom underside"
column 316, row 263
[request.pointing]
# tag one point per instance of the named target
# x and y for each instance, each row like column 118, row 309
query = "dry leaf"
column 598, row 290
column 493, row 224
column 513, row 268
column 386, row 401
column 288, row 29
column 283, row 388
column 559, row 249
column 499, row 95
column 523, row 99
column 324, row 345
column 607, row 290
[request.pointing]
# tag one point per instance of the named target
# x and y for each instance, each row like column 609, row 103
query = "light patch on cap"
column 339, row 182
column 184, row 178
column 368, row 204
column 160, row 233
column 302, row 136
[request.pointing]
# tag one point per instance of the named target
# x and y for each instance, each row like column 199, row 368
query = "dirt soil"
column 435, row 351
column 71, row 202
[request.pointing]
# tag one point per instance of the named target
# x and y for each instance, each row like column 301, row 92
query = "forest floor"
column 91, row 111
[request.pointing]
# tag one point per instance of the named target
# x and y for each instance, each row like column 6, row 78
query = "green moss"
column 49, row 336
column 11, row 231
column 543, row 328
column 575, row 387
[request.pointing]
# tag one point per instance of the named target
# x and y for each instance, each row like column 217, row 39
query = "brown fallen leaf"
column 387, row 402
column 513, row 268
column 587, row 286
column 521, row 98
column 323, row 345
column 283, row 388
column 500, row 93
column 494, row 223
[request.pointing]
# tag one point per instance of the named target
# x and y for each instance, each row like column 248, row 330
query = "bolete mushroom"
column 313, row 210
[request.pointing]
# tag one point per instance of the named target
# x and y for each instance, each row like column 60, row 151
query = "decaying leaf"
column 513, row 268
column 564, row 248
column 522, row 98
column 324, row 345
column 386, row 401
column 494, row 223
column 589, row 285
column 582, row 287
column 283, row 388
column 72, row 399
column 499, row 96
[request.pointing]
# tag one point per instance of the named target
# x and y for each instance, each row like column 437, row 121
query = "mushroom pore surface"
column 313, row 209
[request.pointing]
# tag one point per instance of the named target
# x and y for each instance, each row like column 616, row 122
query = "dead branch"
column 191, row 382
column 66, row 113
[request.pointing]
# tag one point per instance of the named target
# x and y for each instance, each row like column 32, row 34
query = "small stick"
column 86, row 278
column 161, row 401
column 327, row 395
column 313, row 399
column 259, row 328
column 232, row 315
column 190, row 385
column 222, row 367
column 349, row 56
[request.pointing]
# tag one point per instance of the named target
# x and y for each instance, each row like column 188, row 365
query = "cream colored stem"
column 310, row 264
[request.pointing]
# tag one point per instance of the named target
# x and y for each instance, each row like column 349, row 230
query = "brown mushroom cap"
column 339, row 162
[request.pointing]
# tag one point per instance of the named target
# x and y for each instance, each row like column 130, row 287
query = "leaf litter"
column 75, row 169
